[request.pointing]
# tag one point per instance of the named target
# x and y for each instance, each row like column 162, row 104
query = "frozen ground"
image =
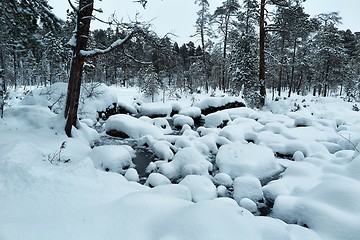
column 206, row 183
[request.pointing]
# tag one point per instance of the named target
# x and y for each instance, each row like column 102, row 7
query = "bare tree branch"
column 72, row 6
column 134, row 59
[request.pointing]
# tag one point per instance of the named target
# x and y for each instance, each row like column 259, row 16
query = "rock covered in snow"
column 248, row 204
column 162, row 149
column 237, row 159
column 154, row 109
column 181, row 120
column 157, row 179
column 201, row 187
column 111, row 158
column 216, row 119
column 185, row 162
column 247, row 187
column 223, row 179
column 213, row 104
column 132, row 175
column 127, row 126
column 193, row 112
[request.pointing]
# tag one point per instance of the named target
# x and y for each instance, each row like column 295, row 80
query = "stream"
column 144, row 156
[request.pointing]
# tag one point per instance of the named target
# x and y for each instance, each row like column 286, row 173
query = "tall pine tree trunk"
column 262, row 55
column 2, row 82
column 292, row 68
column 281, row 69
column 84, row 16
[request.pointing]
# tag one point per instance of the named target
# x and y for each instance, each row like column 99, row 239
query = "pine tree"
column 151, row 83
column 222, row 16
column 330, row 55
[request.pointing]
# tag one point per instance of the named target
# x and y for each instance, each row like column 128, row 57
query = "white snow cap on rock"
column 113, row 158
column 237, row 159
column 201, row 187
column 132, row 126
column 185, row 162
column 247, row 187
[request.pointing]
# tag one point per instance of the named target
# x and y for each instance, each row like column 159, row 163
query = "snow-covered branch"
column 117, row 44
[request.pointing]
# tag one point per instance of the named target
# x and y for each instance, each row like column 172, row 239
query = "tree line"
column 246, row 48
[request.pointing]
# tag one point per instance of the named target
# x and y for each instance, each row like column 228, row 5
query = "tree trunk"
column 223, row 77
column 292, row 67
column 15, row 67
column 2, row 83
column 281, row 69
column 262, row 55
column 73, row 93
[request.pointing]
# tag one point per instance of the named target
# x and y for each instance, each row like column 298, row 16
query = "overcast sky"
column 179, row 16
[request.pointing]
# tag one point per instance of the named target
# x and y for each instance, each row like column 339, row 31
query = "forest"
column 303, row 55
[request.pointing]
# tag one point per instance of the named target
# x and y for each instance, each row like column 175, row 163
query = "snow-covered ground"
column 300, row 154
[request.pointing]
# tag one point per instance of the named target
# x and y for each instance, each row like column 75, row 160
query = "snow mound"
column 298, row 178
column 131, row 126
column 212, row 104
column 185, row 162
column 156, row 109
column 193, row 112
column 332, row 209
column 201, row 187
column 223, row 179
column 156, row 179
column 237, row 159
column 173, row 190
column 33, row 117
column 132, row 175
column 180, row 120
column 217, row 119
column 247, row 187
column 111, row 158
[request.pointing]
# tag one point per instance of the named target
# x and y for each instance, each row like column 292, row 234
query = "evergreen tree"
column 152, row 84
column 244, row 56
column 223, row 16
column 330, row 55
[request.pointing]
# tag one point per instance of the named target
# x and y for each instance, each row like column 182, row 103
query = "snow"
column 156, row 179
column 205, row 183
column 247, row 187
column 132, row 126
column 111, row 158
column 248, row 204
column 180, row 120
column 153, row 108
column 216, row 119
column 223, row 179
column 132, row 175
column 238, row 159
column 216, row 101
column 185, row 162
column 201, row 187
column 193, row 112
